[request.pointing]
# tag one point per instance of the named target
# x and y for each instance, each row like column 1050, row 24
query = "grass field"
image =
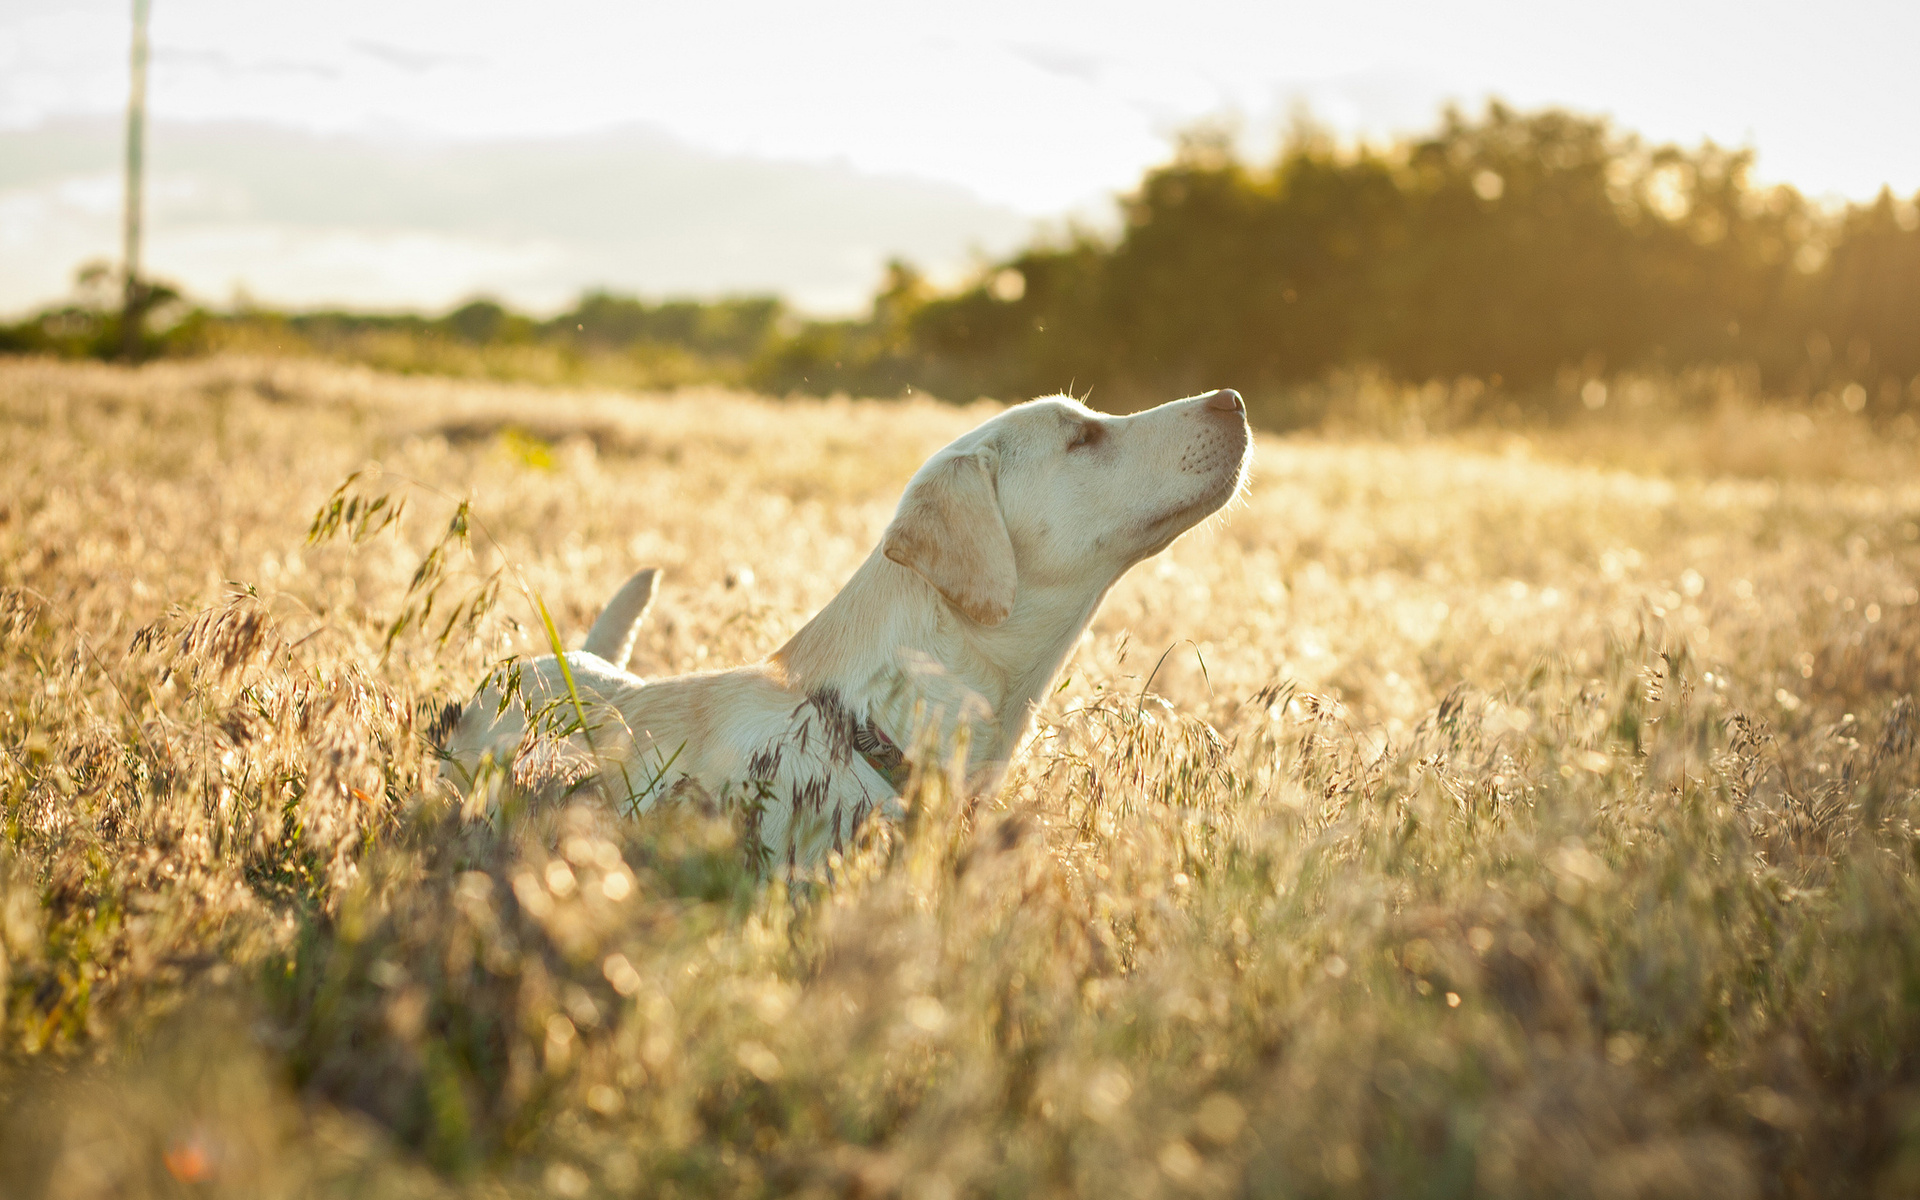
column 1478, row 816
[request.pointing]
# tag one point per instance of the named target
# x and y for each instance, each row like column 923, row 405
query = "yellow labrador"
column 949, row 634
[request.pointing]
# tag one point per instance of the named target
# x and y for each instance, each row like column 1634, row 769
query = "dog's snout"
column 1227, row 400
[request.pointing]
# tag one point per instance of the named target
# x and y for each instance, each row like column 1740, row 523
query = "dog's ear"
column 950, row 531
column 613, row 633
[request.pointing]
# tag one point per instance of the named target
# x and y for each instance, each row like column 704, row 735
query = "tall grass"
column 1460, row 817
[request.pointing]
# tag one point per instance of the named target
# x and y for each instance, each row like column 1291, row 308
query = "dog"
column 945, row 640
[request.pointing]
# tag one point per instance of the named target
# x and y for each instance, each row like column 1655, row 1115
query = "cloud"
column 221, row 63
column 1069, row 64
column 302, row 219
column 412, row 61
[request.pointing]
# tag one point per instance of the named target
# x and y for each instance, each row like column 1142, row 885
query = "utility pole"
column 132, row 316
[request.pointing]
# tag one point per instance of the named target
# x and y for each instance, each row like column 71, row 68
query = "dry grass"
column 1499, row 822
column 646, row 365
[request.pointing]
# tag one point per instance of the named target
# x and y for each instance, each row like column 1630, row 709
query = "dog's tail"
column 613, row 634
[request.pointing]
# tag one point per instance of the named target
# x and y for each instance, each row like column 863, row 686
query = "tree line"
column 1521, row 250
column 1515, row 249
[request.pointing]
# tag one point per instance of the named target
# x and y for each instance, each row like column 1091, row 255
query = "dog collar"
column 882, row 755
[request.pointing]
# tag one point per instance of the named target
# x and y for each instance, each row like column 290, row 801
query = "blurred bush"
column 604, row 338
column 1520, row 250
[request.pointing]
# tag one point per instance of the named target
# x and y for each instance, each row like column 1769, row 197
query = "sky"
column 1033, row 108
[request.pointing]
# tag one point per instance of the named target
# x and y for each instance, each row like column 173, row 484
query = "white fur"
column 611, row 637
column 949, row 634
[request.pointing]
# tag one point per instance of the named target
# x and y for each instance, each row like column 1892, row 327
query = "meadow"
column 1487, row 813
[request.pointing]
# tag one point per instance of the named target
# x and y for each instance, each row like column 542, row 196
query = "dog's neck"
column 891, row 644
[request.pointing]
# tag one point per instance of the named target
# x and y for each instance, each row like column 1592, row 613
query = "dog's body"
column 949, row 634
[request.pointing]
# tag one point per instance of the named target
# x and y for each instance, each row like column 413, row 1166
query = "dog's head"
column 1051, row 495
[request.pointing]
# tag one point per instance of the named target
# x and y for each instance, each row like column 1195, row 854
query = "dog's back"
column 728, row 740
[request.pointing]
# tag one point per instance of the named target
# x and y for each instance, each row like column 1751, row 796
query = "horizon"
column 977, row 128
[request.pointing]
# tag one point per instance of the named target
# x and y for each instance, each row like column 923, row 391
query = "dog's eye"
column 1089, row 434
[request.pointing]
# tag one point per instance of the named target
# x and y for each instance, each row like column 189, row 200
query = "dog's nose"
column 1228, row 401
